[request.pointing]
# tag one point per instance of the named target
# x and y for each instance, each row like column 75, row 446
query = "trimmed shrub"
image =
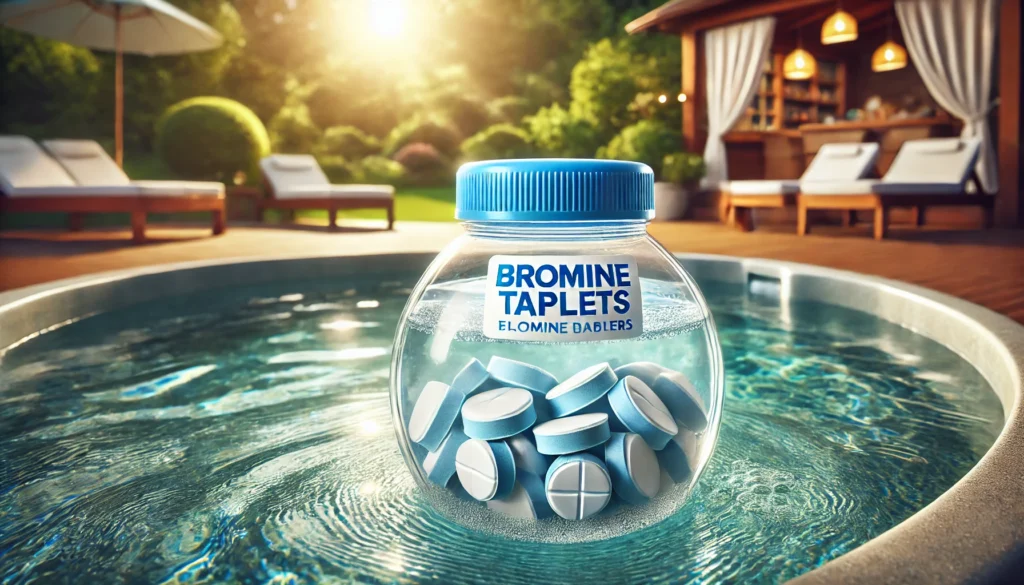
column 292, row 131
column 498, row 141
column 646, row 141
column 468, row 114
column 338, row 170
column 379, row 169
column 511, row 109
column 682, row 168
column 440, row 134
column 348, row 142
column 211, row 138
column 424, row 164
column 556, row 132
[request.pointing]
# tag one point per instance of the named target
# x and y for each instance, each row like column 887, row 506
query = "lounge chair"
column 925, row 173
column 295, row 181
column 840, row 161
column 33, row 182
column 90, row 166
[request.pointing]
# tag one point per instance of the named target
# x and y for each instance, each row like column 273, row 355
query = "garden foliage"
column 212, row 138
column 647, row 141
column 498, row 141
column 348, row 142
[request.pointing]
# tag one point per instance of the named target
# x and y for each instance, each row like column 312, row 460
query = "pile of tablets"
column 514, row 437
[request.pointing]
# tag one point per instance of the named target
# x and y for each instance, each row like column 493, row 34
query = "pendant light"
column 890, row 56
column 841, row 27
column 799, row 64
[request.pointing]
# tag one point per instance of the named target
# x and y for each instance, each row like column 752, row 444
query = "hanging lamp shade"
column 841, row 27
column 889, row 57
column 799, row 65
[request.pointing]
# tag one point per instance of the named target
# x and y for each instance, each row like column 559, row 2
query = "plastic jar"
column 557, row 375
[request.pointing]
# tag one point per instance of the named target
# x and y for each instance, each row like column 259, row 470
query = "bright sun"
column 387, row 17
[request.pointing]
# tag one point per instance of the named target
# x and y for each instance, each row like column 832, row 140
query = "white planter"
column 670, row 201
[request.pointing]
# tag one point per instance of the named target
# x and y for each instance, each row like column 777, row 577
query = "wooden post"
column 802, row 226
column 118, row 89
column 693, row 89
column 881, row 221
column 1009, row 202
column 220, row 224
column 138, row 226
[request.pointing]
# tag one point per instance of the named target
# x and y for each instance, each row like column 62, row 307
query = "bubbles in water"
column 280, row 471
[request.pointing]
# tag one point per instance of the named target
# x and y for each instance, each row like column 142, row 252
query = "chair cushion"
column 286, row 162
column 938, row 145
column 919, row 188
column 382, row 192
column 842, row 150
column 71, row 148
column 179, row 188
column 86, row 162
column 288, row 171
column 24, row 164
column 934, row 160
column 75, row 191
column 763, row 187
column 843, row 161
column 858, row 187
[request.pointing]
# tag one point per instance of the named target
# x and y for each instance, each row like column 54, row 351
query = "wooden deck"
column 985, row 267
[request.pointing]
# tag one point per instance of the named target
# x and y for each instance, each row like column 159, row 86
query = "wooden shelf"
column 824, row 94
column 771, row 110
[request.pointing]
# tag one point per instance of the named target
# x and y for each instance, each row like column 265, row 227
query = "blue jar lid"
column 554, row 190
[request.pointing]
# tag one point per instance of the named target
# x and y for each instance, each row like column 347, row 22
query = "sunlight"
column 387, row 17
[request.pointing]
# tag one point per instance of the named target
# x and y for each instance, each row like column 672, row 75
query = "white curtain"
column 735, row 57
column 952, row 44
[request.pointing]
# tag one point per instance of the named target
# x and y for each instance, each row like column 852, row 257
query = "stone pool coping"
column 963, row 533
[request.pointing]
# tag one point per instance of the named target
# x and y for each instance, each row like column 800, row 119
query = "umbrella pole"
column 118, row 89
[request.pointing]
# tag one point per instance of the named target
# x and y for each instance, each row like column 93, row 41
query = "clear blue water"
column 243, row 436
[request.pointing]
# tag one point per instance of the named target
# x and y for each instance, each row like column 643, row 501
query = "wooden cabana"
column 845, row 99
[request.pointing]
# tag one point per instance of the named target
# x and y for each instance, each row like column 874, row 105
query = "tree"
column 46, row 85
column 608, row 80
column 556, row 132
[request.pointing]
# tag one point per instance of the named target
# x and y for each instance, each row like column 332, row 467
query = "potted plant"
column 680, row 174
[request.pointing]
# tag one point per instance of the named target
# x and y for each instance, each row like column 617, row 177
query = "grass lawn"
column 411, row 204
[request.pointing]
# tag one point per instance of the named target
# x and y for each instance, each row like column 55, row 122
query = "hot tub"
column 229, row 421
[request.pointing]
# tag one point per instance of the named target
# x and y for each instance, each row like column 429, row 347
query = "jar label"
column 563, row 298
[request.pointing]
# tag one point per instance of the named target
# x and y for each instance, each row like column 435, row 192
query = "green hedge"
column 647, row 141
column 212, row 138
column 469, row 115
column 682, row 168
column 556, row 132
column 338, row 170
column 497, row 142
column 348, row 142
column 510, row 108
column 424, row 165
column 381, row 170
column 440, row 134
column 292, row 131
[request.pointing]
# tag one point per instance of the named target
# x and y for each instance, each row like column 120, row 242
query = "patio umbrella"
column 148, row 27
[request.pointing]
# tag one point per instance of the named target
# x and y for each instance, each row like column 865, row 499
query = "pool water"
column 244, row 436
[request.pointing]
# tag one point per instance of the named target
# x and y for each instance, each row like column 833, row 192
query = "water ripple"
column 195, row 450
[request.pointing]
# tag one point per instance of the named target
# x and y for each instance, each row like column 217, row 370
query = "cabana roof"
column 677, row 16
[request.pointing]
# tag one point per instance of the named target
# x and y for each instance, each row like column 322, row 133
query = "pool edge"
column 956, row 537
